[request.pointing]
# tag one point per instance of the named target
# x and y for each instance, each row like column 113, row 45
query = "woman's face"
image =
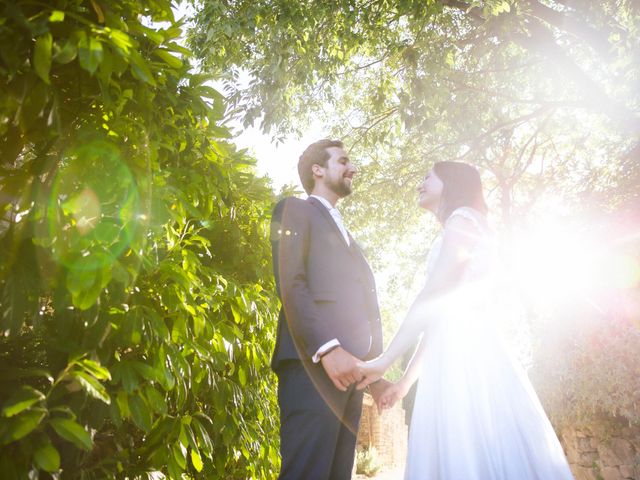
column 430, row 191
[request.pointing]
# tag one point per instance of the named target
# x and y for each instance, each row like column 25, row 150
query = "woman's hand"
column 392, row 394
column 372, row 371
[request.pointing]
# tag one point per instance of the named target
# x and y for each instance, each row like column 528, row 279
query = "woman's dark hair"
column 462, row 187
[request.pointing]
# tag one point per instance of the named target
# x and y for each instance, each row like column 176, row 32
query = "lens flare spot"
column 93, row 210
column 85, row 210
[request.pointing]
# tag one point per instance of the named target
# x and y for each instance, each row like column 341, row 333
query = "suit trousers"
column 318, row 423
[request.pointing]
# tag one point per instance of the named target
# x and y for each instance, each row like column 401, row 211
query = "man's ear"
column 317, row 170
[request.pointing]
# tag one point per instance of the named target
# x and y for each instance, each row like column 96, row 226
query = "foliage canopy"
column 135, row 280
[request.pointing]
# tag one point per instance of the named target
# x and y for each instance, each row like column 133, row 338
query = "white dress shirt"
column 335, row 214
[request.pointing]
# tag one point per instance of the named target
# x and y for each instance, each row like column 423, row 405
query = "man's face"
column 338, row 172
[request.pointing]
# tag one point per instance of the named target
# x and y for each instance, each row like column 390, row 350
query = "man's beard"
column 339, row 187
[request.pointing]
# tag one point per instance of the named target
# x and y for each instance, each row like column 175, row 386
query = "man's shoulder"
column 291, row 204
column 291, row 210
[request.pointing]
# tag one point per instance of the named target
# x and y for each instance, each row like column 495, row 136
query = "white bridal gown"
column 476, row 415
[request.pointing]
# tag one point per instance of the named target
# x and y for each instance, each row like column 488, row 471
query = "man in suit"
column 329, row 321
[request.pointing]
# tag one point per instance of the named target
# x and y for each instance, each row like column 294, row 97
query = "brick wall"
column 386, row 432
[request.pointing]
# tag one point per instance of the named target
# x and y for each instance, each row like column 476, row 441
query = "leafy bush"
column 135, row 284
column 367, row 462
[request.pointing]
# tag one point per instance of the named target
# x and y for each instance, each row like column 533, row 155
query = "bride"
column 476, row 415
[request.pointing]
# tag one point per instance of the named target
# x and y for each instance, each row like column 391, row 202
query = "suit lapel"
column 325, row 213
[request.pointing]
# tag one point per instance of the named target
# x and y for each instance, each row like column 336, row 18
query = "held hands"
column 371, row 371
column 341, row 367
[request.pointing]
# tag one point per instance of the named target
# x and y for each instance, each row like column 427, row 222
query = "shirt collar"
column 324, row 202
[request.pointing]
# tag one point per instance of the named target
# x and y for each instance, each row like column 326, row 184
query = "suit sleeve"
column 290, row 237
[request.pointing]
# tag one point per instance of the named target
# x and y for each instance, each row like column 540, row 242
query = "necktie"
column 338, row 219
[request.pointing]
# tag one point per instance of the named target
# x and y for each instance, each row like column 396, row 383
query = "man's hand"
column 377, row 389
column 342, row 368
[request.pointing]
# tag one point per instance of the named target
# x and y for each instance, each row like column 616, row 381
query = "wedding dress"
column 476, row 415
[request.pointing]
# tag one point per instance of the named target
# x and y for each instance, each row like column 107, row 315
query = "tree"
column 135, row 280
column 540, row 94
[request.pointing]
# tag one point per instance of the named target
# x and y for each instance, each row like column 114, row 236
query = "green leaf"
column 92, row 386
column 204, row 440
column 169, row 59
column 90, row 53
column 180, row 454
column 156, row 399
column 47, row 457
column 140, row 413
column 122, row 400
column 56, row 16
column 140, row 69
column 162, row 430
column 172, row 465
column 85, row 285
column 126, row 373
column 73, row 432
column 95, row 369
column 22, row 399
column 121, row 40
column 67, row 53
column 196, row 461
column 21, row 426
column 42, row 56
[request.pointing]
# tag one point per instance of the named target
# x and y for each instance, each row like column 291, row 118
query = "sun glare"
column 555, row 264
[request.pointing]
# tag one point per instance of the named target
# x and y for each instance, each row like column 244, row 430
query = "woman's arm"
column 458, row 240
column 412, row 372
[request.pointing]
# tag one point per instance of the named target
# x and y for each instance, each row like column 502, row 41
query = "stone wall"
column 386, row 432
column 609, row 450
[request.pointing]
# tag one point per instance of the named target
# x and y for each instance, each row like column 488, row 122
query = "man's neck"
column 327, row 194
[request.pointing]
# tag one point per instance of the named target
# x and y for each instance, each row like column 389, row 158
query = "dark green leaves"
column 67, row 53
column 17, row 427
column 47, row 457
column 72, row 431
column 89, row 52
column 133, row 226
column 42, row 56
column 140, row 69
column 22, row 399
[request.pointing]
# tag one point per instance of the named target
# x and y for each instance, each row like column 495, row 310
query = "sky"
column 278, row 162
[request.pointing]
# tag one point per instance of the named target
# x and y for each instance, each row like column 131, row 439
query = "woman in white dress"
column 476, row 415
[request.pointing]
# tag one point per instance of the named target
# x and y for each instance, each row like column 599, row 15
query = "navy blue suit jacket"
column 326, row 286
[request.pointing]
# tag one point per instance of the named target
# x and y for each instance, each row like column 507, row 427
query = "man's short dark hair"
column 316, row 153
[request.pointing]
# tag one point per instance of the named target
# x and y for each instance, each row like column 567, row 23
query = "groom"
column 329, row 320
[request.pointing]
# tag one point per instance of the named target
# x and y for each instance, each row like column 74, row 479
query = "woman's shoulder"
column 466, row 216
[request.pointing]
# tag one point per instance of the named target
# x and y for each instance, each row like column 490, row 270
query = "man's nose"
column 353, row 168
